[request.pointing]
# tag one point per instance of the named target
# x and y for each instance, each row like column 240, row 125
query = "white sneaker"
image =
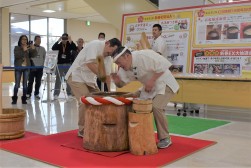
column 56, row 97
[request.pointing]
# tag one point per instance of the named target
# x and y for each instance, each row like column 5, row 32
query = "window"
column 50, row 29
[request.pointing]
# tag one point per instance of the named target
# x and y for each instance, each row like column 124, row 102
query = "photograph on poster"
column 245, row 31
column 231, row 31
column 176, row 68
column 214, row 32
column 215, row 69
column 201, row 68
column 231, row 69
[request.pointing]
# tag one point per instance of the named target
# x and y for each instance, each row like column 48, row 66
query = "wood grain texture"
column 101, row 68
column 106, row 128
column 141, row 134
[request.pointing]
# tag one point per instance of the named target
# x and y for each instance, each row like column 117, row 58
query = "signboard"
column 50, row 61
column 176, row 30
column 209, row 39
column 227, row 27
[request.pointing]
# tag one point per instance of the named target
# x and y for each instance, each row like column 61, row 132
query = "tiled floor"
column 233, row 146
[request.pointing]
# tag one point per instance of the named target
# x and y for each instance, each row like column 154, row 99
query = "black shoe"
column 24, row 98
column 14, row 99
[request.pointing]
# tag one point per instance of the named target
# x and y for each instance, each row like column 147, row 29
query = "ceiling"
column 65, row 9
column 82, row 9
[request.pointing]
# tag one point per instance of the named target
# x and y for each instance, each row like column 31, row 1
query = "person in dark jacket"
column 65, row 47
column 22, row 53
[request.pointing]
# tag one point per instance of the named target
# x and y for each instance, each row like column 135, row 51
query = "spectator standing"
column 22, row 53
column 80, row 46
column 37, row 72
column 101, row 36
column 65, row 46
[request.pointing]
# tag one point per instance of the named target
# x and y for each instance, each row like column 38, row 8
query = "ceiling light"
column 19, row 32
column 48, row 11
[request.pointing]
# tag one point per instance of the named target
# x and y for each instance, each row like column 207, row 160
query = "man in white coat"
column 82, row 75
column 158, row 44
column 152, row 70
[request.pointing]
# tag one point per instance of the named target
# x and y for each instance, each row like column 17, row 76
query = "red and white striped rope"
column 97, row 101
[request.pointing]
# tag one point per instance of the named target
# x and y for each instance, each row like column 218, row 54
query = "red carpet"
column 27, row 135
column 78, row 143
column 49, row 149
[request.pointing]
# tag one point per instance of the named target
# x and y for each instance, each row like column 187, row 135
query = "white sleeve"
column 123, row 76
column 156, row 62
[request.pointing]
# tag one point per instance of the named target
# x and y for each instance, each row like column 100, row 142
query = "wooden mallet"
column 101, row 68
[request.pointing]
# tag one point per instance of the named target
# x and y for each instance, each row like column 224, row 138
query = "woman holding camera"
column 22, row 53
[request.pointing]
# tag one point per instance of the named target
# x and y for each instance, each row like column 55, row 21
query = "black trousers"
column 99, row 85
column 35, row 74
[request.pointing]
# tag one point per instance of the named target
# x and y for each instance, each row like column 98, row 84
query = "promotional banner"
column 221, row 61
column 209, row 39
column 176, row 30
column 228, row 27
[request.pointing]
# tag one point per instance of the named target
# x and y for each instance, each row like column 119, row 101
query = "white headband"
column 122, row 52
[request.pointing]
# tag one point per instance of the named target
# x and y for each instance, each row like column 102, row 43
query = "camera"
column 64, row 38
column 30, row 42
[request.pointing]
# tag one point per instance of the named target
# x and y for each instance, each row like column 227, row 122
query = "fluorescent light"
column 48, row 11
column 19, row 32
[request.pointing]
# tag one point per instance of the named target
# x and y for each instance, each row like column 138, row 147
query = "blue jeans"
column 18, row 74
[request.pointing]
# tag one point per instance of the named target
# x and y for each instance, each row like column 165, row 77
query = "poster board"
column 176, row 30
column 50, row 61
column 209, row 39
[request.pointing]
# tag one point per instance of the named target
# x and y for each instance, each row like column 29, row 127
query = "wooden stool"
column 106, row 126
column 141, row 130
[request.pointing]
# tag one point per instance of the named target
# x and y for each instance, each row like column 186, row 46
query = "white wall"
column 78, row 28
column 169, row 4
column 4, row 37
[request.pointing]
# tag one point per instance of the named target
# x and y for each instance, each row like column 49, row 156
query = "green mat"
column 189, row 126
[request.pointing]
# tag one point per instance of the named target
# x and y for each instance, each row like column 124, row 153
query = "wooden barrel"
column 106, row 126
column 142, row 106
column 12, row 123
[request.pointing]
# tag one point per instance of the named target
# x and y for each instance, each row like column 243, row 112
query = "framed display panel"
column 218, row 34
